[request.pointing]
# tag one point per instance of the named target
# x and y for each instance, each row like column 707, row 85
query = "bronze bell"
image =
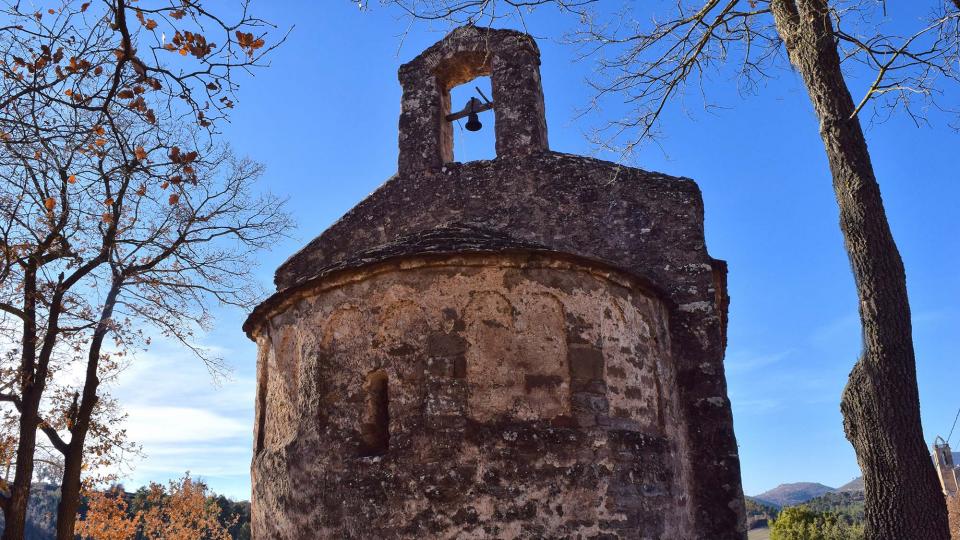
column 473, row 123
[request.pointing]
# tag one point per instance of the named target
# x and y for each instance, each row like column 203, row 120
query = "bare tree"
column 650, row 62
column 119, row 210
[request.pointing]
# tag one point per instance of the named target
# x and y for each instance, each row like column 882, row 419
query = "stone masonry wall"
column 528, row 397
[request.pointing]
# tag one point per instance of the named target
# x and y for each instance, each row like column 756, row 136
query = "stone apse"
column 524, row 347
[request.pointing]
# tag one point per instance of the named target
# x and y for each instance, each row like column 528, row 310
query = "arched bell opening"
column 472, row 137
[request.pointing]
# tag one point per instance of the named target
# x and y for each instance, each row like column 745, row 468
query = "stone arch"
column 631, row 367
column 281, row 383
column 343, row 326
column 542, row 349
column 395, row 325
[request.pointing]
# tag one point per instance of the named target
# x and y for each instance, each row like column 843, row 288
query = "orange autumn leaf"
column 84, row 6
column 165, row 185
column 50, row 203
column 109, row 201
column 68, row 92
column 178, row 14
column 174, row 198
column 244, row 38
column 140, row 153
column 247, row 41
column 99, row 130
column 100, row 142
column 107, row 217
column 72, row 179
column 150, row 24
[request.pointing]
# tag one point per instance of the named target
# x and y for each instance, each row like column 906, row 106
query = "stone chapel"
column 524, row 347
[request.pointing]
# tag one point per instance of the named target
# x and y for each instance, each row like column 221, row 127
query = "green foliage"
column 755, row 507
column 236, row 513
column 804, row 523
column 759, row 514
column 849, row 505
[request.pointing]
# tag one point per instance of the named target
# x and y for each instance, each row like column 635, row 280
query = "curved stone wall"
column 522, row 395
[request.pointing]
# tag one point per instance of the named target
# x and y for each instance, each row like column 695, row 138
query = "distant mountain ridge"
column 854, row 485
column 793, row 494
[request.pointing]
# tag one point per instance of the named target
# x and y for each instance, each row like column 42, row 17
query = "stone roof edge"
column 278, row 298
column 681, row 183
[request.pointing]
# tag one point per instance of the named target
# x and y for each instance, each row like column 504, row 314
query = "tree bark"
column 73, row 457
column 15, row 509
column 15, row 512
column 880, row 403
column 70, row 491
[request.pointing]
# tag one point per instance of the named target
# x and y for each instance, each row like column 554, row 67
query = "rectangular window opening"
column 375, row 426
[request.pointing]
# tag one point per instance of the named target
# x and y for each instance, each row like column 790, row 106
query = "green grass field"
column 759, row 534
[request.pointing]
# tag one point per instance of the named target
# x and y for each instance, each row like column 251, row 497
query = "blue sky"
column 323, row 120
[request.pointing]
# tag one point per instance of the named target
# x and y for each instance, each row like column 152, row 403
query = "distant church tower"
column 946, row 470
column 526, row 347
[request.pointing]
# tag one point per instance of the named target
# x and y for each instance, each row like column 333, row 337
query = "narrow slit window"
column 375, row 427
column 262, row 401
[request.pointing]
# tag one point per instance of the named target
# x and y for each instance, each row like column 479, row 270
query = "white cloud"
column 186, row 422
column 150, row 425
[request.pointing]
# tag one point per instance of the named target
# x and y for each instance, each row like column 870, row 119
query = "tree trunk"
column 73, row 457
column 31, row 389
column 15, row 513
column 880, row 403
column 70, row 492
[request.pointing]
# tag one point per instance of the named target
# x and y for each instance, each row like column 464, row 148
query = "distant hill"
column 793, row 494
column 847, row 502
column 854, row 485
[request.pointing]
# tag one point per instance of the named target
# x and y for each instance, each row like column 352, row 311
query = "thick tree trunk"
column 31, row 389
column 16, row 512
column 880, row 403
column 73, row 457
column 69, row 493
